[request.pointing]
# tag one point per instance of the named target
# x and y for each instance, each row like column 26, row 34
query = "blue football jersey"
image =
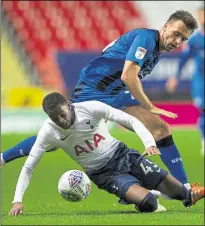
column 194, row 50
column 140, row 46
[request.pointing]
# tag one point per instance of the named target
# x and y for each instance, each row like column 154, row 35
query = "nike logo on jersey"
column 65, row 137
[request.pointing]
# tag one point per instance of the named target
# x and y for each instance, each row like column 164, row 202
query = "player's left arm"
column 40, row 146
column 185, row 55
column 101, row 110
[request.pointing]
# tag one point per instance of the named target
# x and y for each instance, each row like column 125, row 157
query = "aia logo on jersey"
column 89, row 145
column 75, row 178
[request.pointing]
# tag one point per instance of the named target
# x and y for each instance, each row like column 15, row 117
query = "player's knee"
column 162, row 130
column 148, row 204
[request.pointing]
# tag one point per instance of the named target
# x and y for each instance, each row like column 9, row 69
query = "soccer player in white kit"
column 80, row 130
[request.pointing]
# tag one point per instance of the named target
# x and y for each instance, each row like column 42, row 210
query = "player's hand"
column 16, row 209
column 158, row 111
column 151, row 151
column 171, row 84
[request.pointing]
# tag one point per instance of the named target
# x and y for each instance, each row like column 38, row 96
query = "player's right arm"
column 132, row 81
column 137, row 55
column 41, row 145
column 101, row 110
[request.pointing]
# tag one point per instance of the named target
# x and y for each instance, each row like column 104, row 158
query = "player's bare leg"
column 163, row 137
column 175, row 190
column 158, row 127
column 143, row 199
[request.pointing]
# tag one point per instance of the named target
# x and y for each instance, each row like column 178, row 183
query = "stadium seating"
column 12, row 73
column 47, row 26
column 16, row 90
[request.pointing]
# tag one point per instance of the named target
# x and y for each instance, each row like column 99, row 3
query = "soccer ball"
column 74, row 185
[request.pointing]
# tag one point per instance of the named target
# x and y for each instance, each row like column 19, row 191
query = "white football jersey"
column 87, row 141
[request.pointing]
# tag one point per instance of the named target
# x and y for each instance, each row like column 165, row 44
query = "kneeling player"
column 80, row 130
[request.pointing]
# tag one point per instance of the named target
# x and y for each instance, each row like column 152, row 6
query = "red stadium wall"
column 187, row 113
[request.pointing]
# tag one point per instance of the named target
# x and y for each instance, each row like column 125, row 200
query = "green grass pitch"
column 43, row 204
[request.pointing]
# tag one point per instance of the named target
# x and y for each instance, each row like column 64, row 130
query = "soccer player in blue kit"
column 115, row 77
column 194, row 49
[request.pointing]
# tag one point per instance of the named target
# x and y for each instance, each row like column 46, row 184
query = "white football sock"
column 159, row 194
column 187, row 185
column 2, row 162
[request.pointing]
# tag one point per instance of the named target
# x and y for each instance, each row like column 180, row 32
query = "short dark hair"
column 51, row 100
column 185, row 17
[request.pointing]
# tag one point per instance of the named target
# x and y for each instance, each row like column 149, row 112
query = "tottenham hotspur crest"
column 89, row 123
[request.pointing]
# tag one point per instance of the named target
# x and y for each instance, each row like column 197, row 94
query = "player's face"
column 174, row 34
column 62, row 116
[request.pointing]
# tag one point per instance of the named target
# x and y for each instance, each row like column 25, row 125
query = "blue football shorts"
column 126, row 168
column 84, row 92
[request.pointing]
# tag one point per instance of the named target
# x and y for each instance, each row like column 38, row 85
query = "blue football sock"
column 172, row 159
column 201, row 124
column 20, row 150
